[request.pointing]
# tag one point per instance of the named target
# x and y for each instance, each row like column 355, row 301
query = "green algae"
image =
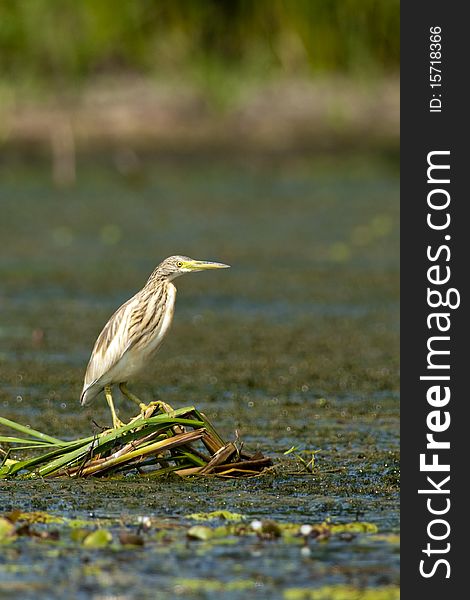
column 97, row 539
column 85, row 532
column 343, row 592
column 37, row 517
column 7, row 531
column 290, row 532
column 188, row 586
column 224, row 515
column 199, row 532
column 354, row 527
column 47, row 518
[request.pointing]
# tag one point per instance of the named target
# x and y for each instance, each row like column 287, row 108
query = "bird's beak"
column 202, row 265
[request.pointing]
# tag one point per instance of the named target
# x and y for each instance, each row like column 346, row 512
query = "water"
column 295, row 345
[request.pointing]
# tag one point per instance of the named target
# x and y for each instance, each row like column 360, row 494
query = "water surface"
column 295, row 345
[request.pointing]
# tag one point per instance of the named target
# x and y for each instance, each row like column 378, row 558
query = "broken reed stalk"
column 157, row 442
column 156, row 448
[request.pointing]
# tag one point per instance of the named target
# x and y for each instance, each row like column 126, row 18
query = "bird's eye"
column 179, row 264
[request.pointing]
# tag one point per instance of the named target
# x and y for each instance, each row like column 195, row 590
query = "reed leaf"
column 30, row 432
column 5, row 439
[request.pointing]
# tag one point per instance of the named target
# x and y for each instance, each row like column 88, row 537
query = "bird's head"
column 174, row 266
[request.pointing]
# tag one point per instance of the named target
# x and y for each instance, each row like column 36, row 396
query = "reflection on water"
column 296, row 345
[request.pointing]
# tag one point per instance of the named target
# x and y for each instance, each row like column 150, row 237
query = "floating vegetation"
column 143, row 530
column 224, row 515
column 97, row 543
column 160, row 441
column 308, row 465
column 343, row 592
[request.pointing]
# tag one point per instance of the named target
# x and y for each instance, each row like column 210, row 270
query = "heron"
column 135, row 331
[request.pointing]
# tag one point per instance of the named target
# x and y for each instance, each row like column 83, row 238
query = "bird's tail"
column 88, row 394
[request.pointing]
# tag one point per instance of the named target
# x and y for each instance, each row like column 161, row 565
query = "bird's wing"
column 130, row 325
column 110, row 345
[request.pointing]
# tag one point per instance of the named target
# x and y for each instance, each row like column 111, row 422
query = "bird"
column 133, row 334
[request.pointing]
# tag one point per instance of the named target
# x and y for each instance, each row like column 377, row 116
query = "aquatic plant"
column 158, row 442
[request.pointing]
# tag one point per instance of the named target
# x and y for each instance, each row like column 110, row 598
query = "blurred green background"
column 45, row 41
column 210, row 73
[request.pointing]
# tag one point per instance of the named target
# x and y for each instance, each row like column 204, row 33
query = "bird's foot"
column 163, row 406
column 117, row 423
column 147, row 410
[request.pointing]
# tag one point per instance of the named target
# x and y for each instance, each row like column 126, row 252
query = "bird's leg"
column 128, row 394
column 146, row 410
column 109, row 399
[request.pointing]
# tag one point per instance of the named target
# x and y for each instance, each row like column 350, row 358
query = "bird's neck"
column 158, row 285
column 157, row 278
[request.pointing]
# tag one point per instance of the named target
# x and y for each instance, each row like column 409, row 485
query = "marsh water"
column 295, row 346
